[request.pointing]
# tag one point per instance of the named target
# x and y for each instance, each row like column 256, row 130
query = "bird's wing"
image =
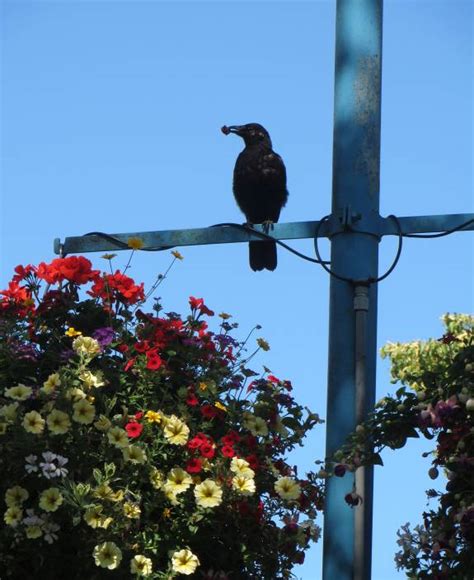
column 272, row 169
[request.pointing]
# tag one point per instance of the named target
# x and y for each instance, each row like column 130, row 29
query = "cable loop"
column 368, row 280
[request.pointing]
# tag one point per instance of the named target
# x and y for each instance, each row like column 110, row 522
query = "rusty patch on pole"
column 367, row 109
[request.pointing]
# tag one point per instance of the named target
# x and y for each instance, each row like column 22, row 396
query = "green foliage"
column 439, row 405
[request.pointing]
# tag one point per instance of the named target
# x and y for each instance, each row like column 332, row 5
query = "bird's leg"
column 268, row 225
column 248, row 225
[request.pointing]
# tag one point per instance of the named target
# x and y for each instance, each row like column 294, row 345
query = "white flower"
column 49, row 467
column 30, row 465
column 49, row 530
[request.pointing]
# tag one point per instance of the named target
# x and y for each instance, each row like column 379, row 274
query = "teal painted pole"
column 354, row 255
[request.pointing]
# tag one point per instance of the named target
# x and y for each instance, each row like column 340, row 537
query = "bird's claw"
column 268, row 225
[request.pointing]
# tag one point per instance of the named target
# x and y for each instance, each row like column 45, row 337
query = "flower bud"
column 433, row 473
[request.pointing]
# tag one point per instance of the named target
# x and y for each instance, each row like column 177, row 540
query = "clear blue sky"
column 110, row 121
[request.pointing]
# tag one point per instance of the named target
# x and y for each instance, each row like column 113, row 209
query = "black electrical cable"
column 441, row 234
column 248, row 229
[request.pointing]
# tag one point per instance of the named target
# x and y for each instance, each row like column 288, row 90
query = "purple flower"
column 66, row 355
column 24, row 351
column 104, row 336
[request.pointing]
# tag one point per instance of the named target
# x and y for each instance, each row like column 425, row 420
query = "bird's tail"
column 262, row 255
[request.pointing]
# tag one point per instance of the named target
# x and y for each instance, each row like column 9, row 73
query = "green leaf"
column 376, row 459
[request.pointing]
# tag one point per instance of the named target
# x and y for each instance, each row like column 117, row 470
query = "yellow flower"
column 108, row 256
column 15, row 496
column 256, row 425
column 184, row 562
column 208, row 494
column 13, row 516
column 178, row 481
column 72, row 332
column 241, row 467
column 131, row 510
column 220, row 406
column 154, row 416
column 75, row 394
column 19, row 393
column 33, row 422
column 105, row 492
column 118, row 437
column 263, row 344
column 176, row 431
column 84, row 412
column 94, row 518
column 244, row 485
column 91, row 380
column 50, row 384
column 156, row 478
column 202, row 386
column 86, row 345
column 177, row 255
column 225, row 316
column 102, row 423
column 135, row 243
column 33, row 532
column 50, row 499
column 8, row 412
column 107, row 555
column 134, row 453
column 287, row 488
column 58, row 422
column 141, row 566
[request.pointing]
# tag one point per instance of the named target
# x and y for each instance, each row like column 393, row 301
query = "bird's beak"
column 237, row 129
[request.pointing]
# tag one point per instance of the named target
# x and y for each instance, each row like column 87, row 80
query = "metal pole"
column 356, row 163
column 363, row 476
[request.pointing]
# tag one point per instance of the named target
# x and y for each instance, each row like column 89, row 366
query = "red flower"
column 22, row 272
column 133, row 429
column 197, row 441
column 154, row 361
column 353, row 499
column 76, row 269
column 117, row 287
column 209, row 412
column 207, row 450
column 138, row 415
column 17, row 297
column 228, row 451
column 122, row 348
column 231, row 438
column 130, row 363
column 252, row 460
column 198, row 304
column 195, row 303
column 205, row 310
column 251, row 441
column 273, row 379
column 191, row 399
column 194, row 466
column 142, row 346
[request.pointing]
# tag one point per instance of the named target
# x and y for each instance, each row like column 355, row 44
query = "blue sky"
column 110, row 117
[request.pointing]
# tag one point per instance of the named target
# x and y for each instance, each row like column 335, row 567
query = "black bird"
column 259, row 188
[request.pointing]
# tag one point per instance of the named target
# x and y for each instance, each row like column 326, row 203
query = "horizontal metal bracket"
column 371, row 224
